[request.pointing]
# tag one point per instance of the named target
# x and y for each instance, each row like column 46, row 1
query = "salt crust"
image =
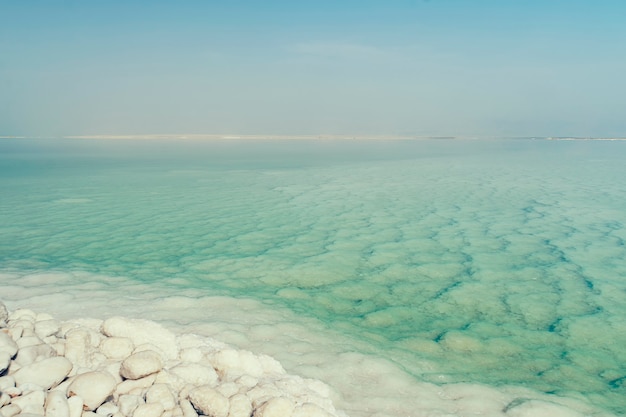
column 136, row 368
column 86, row 369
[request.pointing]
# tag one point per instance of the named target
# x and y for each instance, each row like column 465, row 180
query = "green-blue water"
column 500, row 262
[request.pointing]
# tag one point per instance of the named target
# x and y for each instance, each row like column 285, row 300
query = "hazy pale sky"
column 438, row 67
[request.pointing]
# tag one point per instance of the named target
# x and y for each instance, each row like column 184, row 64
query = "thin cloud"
column 338, row 50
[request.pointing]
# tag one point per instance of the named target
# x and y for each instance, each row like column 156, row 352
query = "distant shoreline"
column 309, row 137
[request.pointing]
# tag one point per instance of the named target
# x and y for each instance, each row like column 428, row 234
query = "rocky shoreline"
column 122, row 367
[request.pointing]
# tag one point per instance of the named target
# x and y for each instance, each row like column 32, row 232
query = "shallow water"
column 498, row 262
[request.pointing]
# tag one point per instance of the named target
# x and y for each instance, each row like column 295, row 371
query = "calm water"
column 499, row 262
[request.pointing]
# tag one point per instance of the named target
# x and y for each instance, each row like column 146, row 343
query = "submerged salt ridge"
column 493, row 262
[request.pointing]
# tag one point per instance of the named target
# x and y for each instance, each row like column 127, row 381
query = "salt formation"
column 137, row 368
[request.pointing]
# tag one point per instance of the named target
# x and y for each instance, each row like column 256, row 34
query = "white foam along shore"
column 132, row 367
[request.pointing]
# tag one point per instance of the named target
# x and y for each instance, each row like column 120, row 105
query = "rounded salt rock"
column 129, row 403
column 13, row 391
column 27, row 326
column 310, row 410
column 131, row 385
column 47, row 328
column 4, row 314
column 270, row 365
column 92, row 387
column 11, row 410
column 116, row 347
column 23, row 314
column 75, row 404
column 5, row 361
column 195, row 374
column 231, row 361
column 187, row 408
column 190, row 355
column 56, row 405
column 142, row 331
column 209, row 402
column 160, row 393
column 148, row 410
column 6, row 382
column 107, row 409
column 240, row 406
column 7, row 344
column 228, row 389
column 247, row 381
column 47, row 373
column 31, row 403
column 276, row 407
column 141, row 364
column 26, row 414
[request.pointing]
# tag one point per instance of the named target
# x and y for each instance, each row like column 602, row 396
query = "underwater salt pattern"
column 500, row 262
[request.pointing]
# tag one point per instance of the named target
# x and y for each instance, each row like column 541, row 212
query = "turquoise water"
column 490, row 261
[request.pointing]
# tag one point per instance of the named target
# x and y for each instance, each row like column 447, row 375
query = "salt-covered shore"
column 121, row 367
column 129, row 367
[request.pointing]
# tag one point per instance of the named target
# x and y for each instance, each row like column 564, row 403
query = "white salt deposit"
column 52, row 386
column 45, row 373
column 198, row 371
column 141, row 364
column 92, row 387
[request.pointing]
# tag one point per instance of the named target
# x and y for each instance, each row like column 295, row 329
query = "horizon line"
column 211, row 136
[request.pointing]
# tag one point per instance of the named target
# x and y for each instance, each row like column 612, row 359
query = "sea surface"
column 498, row 262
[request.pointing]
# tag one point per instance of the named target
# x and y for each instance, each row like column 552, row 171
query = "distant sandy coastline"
column 308, row 137
column 239, row 137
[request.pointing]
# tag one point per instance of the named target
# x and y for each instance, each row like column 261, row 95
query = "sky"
column 395, row 67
